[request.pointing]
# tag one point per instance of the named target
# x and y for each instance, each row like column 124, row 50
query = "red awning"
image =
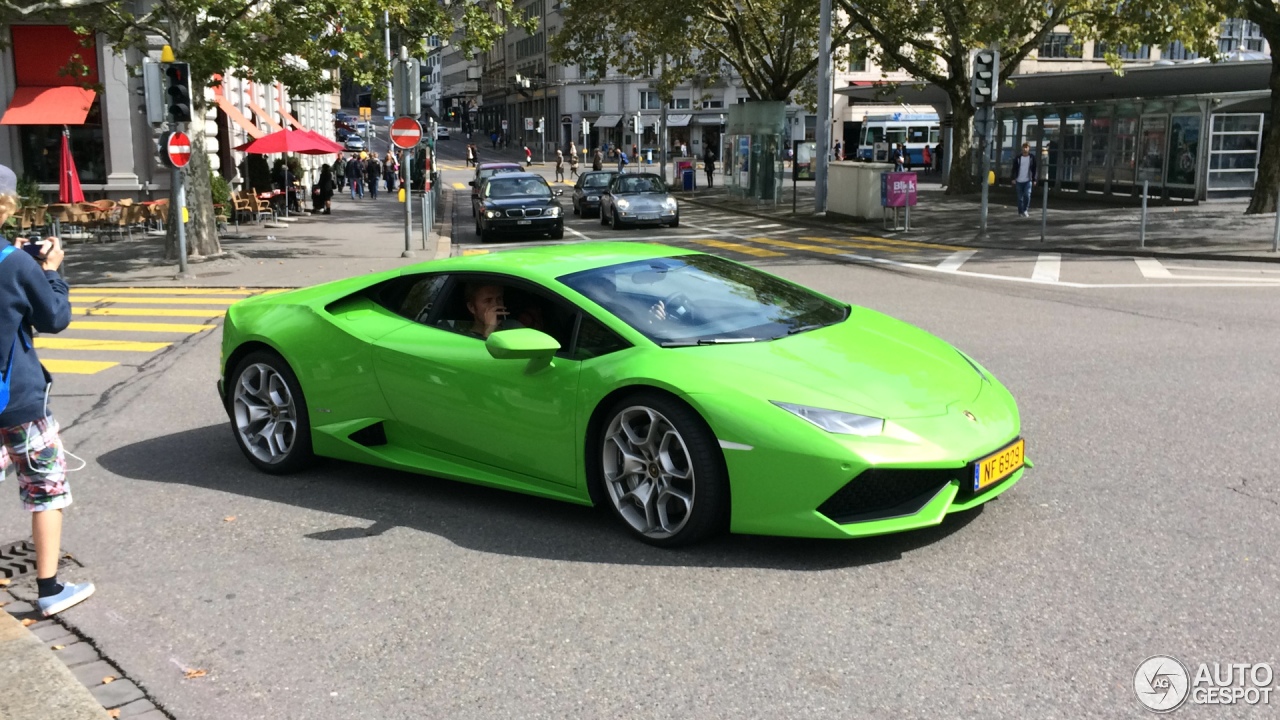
column 67, row 105
column 237, row 117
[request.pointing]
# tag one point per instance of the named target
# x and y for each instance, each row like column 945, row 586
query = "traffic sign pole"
column 405, row 134
column 177, row 153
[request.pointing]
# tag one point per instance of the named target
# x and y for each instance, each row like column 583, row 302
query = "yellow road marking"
column 159, row 291
column 77, row 367
column 738, row 247
column 798, row 246
column 474, row 251
column 146, row 312
column 459, row 186
column 905, row 243
column 860, row 245
column 155, row 300
column 61, row 343
column 139, row 326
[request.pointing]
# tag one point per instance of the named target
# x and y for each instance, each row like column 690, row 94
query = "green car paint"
column 506, row 413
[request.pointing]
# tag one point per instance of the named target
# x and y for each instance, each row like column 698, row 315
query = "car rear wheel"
column 269, row 415
column 661, row 471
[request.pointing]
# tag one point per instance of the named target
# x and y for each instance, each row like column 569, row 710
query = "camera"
column 34, row 247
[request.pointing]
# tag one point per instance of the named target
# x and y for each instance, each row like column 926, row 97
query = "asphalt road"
column 1148, row 526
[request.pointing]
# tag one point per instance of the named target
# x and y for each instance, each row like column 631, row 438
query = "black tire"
column 675, row 223
column 709, row 487
column 557, row 234
column 617, row 221
column 299, row 454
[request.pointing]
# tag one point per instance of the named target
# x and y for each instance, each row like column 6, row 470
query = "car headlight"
column 670, row 204
column 834, row 421
column 553, row 211
column 622, row 203
column 491, row 214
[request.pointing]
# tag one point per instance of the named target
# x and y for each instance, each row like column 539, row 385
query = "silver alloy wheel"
column 265, row 414
column 648, row 472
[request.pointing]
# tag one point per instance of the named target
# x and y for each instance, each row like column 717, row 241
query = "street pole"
column 661, row 133
column 1142, row 229
column 542, row 137
column 180, row 198
column 986, row 171
column 386, row 36
column 407, row 186
column 1275, row 240
column 822, row 131
column 1044, row 208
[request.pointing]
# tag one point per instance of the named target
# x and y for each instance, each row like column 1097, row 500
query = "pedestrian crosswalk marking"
column 1048, row 267
column 459, row 186
column 475, row 251
column 45, row 342
column 904, row 243
column 165, row 291
column 107, row 325
column 797, row 246
column 855, row 244
column 739, row 247
column 953, row 263
column 76, row 367
column 148, row 312
column 155, row 300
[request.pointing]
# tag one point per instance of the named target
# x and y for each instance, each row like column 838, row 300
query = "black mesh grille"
column 524, row 212
column 878, row 494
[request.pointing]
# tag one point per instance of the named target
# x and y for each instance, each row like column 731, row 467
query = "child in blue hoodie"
column 34, row 296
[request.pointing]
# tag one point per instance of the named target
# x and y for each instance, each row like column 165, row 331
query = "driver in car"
column 488, row 310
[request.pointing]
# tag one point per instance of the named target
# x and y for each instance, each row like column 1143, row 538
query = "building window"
column 649, row 100
column 1177, row 51
column 593, row 102
column 858, row 56
column 1143, row 53
column 1239, row 34
column 712, row 104
column 678, row 104
column 1059, row 45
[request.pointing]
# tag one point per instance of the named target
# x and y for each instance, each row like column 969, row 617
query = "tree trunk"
column 202, row 230
column 964, row 176
column 1264, row 191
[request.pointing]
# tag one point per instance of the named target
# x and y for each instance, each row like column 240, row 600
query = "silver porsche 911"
column 638, row 199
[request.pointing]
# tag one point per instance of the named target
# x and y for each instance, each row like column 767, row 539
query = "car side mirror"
column 521, row 344
column 472, row 183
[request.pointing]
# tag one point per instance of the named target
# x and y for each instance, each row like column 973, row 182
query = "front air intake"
column 881, row 494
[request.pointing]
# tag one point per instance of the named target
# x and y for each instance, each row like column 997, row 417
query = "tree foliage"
column 770, row 44
column 933, row 41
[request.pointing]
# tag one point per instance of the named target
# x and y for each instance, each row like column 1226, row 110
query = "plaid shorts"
column 35, row 449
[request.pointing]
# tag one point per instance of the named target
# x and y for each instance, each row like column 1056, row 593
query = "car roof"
column 483, row 166
column 545, row 263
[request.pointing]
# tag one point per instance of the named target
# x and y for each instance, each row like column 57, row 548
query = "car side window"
column 594, row 339
column 422, row 295
column 526, row 307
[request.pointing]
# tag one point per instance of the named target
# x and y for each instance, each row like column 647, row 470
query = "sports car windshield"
column 703, row 300
column 597, row 181
column 639, row 184
column 520, row 187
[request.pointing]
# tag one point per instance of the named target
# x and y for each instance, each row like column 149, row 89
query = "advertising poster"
column 744, row 161
column 1151, row 148
column 1184, row 149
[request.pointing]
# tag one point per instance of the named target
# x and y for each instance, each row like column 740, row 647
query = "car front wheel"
column 662, row 472
column 269, row 414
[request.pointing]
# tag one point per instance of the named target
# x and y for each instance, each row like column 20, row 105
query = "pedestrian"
column 927, row 157
column 528, row 156
column 493, row 139
column 35, row 298
column 1023, row 177
column 684, row 149
column 390, row 168
column 898, row 161
column 573, row 161
column 709, row 160
column 838, row 148
column 937, row 156
column 906, row 156
column 471, row 155
column 372, row 174
column 560, row 165
column 597, row 160
column 325, row 188
column 622, row 160
column 355, row 177
column 340, row 167
column 635, row 152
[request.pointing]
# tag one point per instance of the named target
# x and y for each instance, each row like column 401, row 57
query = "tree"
column 291, row 41
column 1267, row 15
column 770, row 44
column 933, row 41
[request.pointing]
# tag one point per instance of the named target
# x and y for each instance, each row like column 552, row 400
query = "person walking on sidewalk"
column 709, row 160
column 34, row 296
column 573, row 161
column 528, row 156
column 1023, row 177
column 559, row 165
column 372, row 174
column 597, row 160
column 339, row 172
column 355, row 177
column 471, row 155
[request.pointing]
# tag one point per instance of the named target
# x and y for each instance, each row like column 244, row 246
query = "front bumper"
column 648, row 217
column 523, row 225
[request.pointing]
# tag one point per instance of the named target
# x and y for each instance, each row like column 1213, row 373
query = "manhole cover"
column 19, row 558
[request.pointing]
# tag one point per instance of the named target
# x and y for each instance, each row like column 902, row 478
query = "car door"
column 453, row 398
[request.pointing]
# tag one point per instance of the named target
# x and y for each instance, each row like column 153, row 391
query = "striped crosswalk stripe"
column 65, row 343
column 146, row 312
column 739, row 247
column 109, row 326
column 76, row 367
column 164, row 291
column 855, row 244
column 155, row 300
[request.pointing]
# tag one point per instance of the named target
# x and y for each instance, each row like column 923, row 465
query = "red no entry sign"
column 406, row 132
column 177, row 149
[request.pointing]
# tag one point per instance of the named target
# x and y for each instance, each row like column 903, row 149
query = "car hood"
column 644, row 200
column 520, row 202
column 870, row 364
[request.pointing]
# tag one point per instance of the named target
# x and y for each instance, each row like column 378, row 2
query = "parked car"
column 587, row 191
column 341, row 134
column 518, row 203
column 638, row 199
column 354, row 142
column 442, row 132
column 483, row 171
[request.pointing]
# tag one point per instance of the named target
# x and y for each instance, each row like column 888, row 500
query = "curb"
column 1116, row 252
column 37, row 686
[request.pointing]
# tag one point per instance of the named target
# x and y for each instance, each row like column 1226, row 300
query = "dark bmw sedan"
column 518, row 204
column 586, row 192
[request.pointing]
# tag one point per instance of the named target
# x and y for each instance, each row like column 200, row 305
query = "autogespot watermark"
column 1163, row 684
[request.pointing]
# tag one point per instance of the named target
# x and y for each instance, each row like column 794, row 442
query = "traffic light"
column 541, row 126
column 178, row 80
column 636, row 126
column 985, row 83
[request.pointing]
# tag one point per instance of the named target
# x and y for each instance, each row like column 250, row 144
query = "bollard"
column 1142, row 230
column 1275, row 240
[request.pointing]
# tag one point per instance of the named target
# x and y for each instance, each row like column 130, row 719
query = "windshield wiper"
column 707, row 341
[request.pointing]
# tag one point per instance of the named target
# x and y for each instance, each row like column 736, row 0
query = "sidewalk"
column 1089, row 225
column 37, row 684
column 359, row 236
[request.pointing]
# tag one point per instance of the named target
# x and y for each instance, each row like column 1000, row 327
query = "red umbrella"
column 69, row 190
column 287, row 141
column 330, row 147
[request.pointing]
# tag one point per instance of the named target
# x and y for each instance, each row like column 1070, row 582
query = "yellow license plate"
column 994, row 468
